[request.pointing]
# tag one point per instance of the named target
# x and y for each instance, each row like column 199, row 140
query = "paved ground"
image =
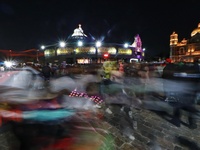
column 154, row 131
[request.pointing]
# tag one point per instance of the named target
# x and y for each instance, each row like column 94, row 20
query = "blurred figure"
column 180, row 86
column 46, row 71
column 107, row 67
column 140, row 77
column 121, row 66
column 54, row 69
column 144, row 78
column 36, row 67
column 117, row 101
column 2, row 68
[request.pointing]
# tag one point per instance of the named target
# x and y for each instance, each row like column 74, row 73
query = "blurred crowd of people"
column 115, row 87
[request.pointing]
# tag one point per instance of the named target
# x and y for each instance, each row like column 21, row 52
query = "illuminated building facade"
column 185, row 50
column 81, row 49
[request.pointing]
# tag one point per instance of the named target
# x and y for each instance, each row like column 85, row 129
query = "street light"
column 37, row 56
column 98, row 44
column 42, row 47
column 143, row 53
column 126, row 45
column 80, row 43
column 62, row 44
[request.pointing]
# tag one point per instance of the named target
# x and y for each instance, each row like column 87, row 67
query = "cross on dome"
column 78, row 32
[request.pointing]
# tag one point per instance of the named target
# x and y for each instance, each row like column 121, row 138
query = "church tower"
column 173, row 39
column 173, row 43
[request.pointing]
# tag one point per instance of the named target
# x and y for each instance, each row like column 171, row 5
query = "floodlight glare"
column 42, row 47
column 80, row 43
column 126, row 45
column 8, row 64
column 62, row 44
column 98, row 44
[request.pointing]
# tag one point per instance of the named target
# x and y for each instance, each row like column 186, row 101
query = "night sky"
column 27, row 24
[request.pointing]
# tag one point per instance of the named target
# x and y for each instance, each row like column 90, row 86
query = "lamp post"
column 10, row 54
column 98, row 44
column 42, row 48
column 37, row 56
column 143, row 53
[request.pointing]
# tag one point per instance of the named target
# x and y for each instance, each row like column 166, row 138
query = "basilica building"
column 79, row 48
column 186, row 50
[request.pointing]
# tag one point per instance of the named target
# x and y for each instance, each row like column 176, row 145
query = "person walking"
column 180, row 86
column 46, row 71
column 142, row 75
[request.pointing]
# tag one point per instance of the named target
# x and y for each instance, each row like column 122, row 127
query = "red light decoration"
column 95, row 99
column 106, row 55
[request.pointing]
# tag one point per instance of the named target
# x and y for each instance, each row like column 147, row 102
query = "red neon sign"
column 106, row 55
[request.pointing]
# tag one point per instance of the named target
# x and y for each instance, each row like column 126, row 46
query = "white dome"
column 78, row 32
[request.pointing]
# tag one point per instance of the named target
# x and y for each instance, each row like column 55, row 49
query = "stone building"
column 187, row 49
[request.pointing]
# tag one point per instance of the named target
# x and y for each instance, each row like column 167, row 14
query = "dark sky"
column 26, row 24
